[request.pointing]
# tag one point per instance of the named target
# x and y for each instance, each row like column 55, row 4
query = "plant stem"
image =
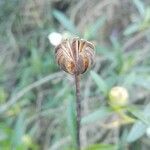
column 78, row 110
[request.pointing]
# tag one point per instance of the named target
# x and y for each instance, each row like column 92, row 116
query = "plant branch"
column 15, row 98
column 78, row 109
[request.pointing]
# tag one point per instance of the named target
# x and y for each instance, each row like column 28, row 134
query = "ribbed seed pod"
column 75, row 55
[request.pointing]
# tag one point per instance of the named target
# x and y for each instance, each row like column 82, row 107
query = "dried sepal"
column 75, row 55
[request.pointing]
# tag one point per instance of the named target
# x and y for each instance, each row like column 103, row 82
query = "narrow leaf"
column 96, row 26
column 102, row 147
column 18, row 130
column 139, row 128
column 96, row 115
column 131, row 29
column 71, row 118
column 100, row 82
column 137, row 131
column 66, row 22
column 140, row 6
column 140, row 115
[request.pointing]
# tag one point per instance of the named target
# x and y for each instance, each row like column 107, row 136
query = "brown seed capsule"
column 75, row 55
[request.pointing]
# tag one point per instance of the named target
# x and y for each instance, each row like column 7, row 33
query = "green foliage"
column 71, row 119
column 18, row 131
column 44, row 117
column 65, row 21
column 101, row 147
column 131, row 29
column 142, row 22
column 134, row 135
column 3, row 95
column 102, row 85
column 94, row 29
column 140, row 6
column 96, row 115
column 141, row 125
column 140, row 115
column 36, row 62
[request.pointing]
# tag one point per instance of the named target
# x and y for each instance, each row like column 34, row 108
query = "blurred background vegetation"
column 36, row 102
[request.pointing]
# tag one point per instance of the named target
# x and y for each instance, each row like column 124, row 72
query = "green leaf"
column 140, row 6
column 119, row 60
column 100, row 82
column 143, row 116
column 36, row 61
column 142, row 69
column 105, row 52
column 129, row 79
column 71, row 118
column 101, row 147
column 66, row 22
column 99, row 114
column 123, row 142
column 131, row 29
column 137, row 131
column 96, row 26
column 3, row 95
column 140, row 115
column 18, row 130
column 118, row 54
column 143, row 82
column 139, row 125
column 5, row 132
column 147, row 16
column 115, row 43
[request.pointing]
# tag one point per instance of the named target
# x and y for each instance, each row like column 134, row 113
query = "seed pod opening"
column 75, row 55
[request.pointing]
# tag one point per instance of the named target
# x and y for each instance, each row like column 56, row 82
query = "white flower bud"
column 118, row 96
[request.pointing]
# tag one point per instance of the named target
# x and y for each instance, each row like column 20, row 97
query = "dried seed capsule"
column 75, row 55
